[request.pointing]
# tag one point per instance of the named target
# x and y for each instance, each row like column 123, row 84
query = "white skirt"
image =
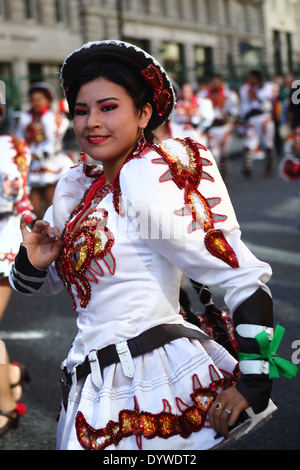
column 10, row 239
column 49, row 170
column 163, row 407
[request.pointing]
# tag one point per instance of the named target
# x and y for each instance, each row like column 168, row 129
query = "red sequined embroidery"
column 20, row 158
column 162, row 97
column 22, row 162
column 87, row 240
column 190, row 419
column 8, row 256
column 84, row 248
column 186, row 169
column 218, row 246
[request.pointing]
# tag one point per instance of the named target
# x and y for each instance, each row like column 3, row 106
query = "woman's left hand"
column 226, row 409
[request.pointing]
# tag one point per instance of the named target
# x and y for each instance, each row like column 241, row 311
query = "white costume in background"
column 15, row 161
column 192, row 121
column 226, row 110
column 50, row 161
column 257, row 113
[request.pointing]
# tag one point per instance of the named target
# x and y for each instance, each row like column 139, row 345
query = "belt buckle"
column 264, row 367
column 269, row 332
column 95, row 368
column 74, row 383
column 64, row 372
column 125, row 358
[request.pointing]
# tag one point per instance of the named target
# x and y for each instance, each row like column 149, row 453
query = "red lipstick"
column 96, row 139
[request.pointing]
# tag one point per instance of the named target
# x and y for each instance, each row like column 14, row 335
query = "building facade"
column 192, row 38
column 35, row 37
column 282, row 35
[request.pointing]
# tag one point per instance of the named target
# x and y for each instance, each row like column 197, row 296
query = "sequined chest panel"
column 88, row 242
column 87, row 246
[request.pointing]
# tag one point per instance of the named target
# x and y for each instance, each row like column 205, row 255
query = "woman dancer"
column 118, row 237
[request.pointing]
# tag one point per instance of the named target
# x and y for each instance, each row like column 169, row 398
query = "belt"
column 142, row 344
column 3, row 215
column 253, row 112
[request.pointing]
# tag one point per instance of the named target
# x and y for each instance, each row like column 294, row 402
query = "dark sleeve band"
column 25, row 276
column 257, row 310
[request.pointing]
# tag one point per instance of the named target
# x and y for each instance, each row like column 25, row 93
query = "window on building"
column 277, row 52
column 194, row 11
column 162, row 8
column 226, row 12
column 177, row 10
column 250, row 56
column 98, row 3
column 143, row 7
column 5, row 77
column 255, row 19
column 8, row 91
column 61, row 11
column 3, row 9
column 35, row 72
column 240, row 17
column 289, row 44
column 207, row 11
column 203, row 62
column 127, row 6
column 141, row 43
column 173, row 60
column 31, row 10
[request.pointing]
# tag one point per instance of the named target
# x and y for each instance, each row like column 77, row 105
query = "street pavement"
column 38, row 331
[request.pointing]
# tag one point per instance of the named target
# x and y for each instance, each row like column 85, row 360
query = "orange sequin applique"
column 190, row 418
column 87, row 243
column 219, row 247
column 187, row 168
column 79, row 262
column 22, row 162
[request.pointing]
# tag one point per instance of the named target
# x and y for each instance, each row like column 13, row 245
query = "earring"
column 140, row 144
column 83, row 157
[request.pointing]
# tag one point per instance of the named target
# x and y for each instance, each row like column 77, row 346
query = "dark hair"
column 43, row 91
column 118, row 74
column 217, row 75
column 257, row 75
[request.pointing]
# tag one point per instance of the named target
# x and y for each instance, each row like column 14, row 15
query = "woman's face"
column 106, row 123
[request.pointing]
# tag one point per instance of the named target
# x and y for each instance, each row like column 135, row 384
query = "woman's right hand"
column 43, row 243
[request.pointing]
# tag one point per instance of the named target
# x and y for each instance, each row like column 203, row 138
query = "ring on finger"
column 218, row 406
column 228, row 411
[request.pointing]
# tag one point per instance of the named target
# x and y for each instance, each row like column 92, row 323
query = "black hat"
column 149, row 69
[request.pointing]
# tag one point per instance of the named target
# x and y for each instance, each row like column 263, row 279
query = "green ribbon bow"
column 267, row 351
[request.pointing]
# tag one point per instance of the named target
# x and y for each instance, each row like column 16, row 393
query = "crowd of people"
column 34, row 161
column 260, row 112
